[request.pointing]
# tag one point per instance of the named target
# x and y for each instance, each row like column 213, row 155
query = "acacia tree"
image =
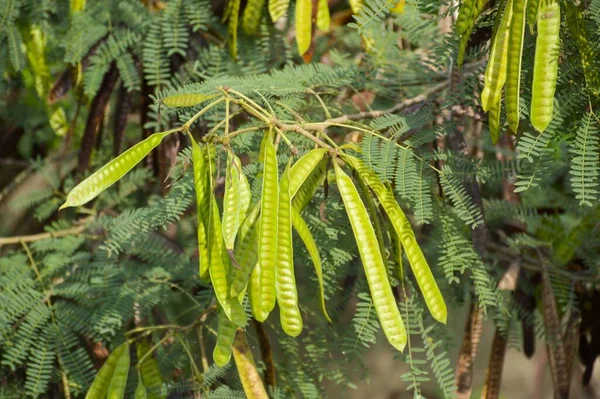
column 349, row 164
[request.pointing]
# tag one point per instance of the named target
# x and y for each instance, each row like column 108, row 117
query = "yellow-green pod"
column 246, row 253
column 267, row 235
column 495, row 73
column 532, row 14
column 150, row 372
column 254, row 295
column 287, row 294
column 277, row 8
column 375, row 270
column 252, row 16
column 304, row 167
column 116, row 390
column 140, row 391
column 235, row 200
column 587, row 52
column 202, row 183
column 186, row 100
column 218, row 268
column 244, row 362
column 110, row 173
column 232, row 27
column 313, row 251
column 307, row 190
column 545, row 66
column 425, row 279
column 303, row 25
column 478, row 7
column 465, row 19
column 462, row 48
column 323, row 17
column 99, row 388
column 494, row 122
column 513, row 71
column 225, row 335
column 355, row 5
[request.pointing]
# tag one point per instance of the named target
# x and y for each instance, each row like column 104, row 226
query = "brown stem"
column 95, row 117
column 79, row 228
column 265, row 352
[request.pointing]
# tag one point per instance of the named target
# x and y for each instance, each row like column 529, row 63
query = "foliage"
column 309, row 182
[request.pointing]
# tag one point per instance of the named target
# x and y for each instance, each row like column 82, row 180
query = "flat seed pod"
column 513, row 72
column 110, row 173
column 149, row 371
column 495, row 73
column 252, row 16
column 101, row 384
column 244, row 362
column 307, row 190
column 303, row 168
column 587, row 52
column 494, row 122
column 140, row 391
column 254, row 295
column 235, row 201
column 277, row 8
column 202, row 183
column 267, row 236
column 355, row 5
column 545, row 66
column 246, row 253
column 303, row 25
column 375, row 270
column 186, row 100
column 425, row 279
column 532, row 14
column 218, row 268
column 287, row 295
column 323, row 17
column 313, row 251
column 116, row 390
column 465, row 19
column 225, row 335
column 232, row 27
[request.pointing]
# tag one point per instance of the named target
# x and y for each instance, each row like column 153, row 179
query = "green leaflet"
column 303, row 25
column 313, row 251
column 252, row 16
column 187, row 100
column 235, row 201
column 277, row 8
column 103, row 380
column 110, row 173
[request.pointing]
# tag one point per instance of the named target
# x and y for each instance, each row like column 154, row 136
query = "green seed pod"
column 370, row 254
column 545, row 66
column 110, row 173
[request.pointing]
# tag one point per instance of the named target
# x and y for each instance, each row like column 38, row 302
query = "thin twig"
column 81, row 224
